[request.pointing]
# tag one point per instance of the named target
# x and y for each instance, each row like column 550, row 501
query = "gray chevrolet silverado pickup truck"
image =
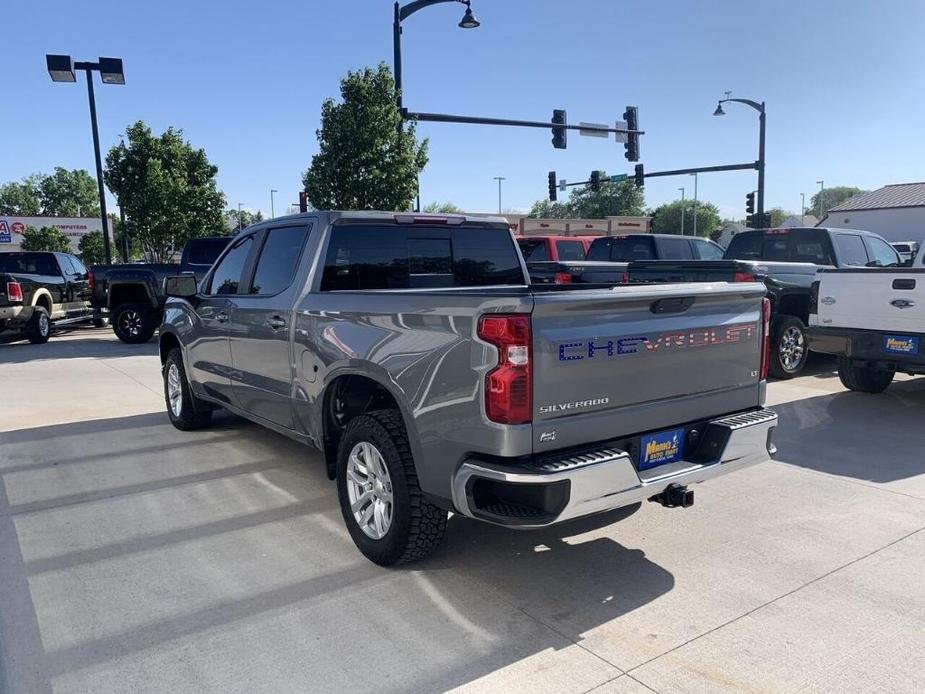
column 413, row 352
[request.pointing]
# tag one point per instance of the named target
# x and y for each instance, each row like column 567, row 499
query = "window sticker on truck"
column 661, row 448
column 900, row 344
column 641, row 344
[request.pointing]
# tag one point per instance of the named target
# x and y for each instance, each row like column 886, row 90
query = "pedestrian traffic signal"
column 552, row 186
column 631, row 116
column 303, row 201
column 640, row 176
column 595, row 181
column 750, row 203
column 559, row 135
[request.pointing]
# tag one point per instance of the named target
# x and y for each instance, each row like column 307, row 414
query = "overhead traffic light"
column 559, row 135
column 640, row 177
column 752, row 220
column 750, row 203
column 303, row 201
column 552, row 186
column 631, row 116
column 595, row 181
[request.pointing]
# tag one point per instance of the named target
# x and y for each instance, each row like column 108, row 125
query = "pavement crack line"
column 129, row 376
column 614, row 679
column 779, row 597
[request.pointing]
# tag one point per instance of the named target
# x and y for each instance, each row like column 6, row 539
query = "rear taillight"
column 814, row 297
column 625, row 279
column 562, row 278
column 13, row 291
column 91, row 280
column 765, row 337
column 743, row 277
column 509, row 386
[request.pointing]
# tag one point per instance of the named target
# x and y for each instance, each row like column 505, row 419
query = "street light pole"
column 802, row 208
column 272, row 208
column 240, row 218
column 695, row 203
column 499, row 179
column 62, row 68
column 821, row 198
column 760, row 107
column 682, row 210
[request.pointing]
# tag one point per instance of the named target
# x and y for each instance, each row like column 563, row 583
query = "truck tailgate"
column 619, row 362
column 887, row 299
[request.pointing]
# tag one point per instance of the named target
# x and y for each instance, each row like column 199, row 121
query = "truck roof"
column 334, row 216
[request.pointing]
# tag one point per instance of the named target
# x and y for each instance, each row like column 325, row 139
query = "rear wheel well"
column 168, row 343
column 346, row 398
column 44, row 301
column 128, row 294
column 796, row 305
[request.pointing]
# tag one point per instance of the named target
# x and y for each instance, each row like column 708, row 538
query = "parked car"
column 133, row 294
column 555, row 248
column 43, row 290
column 412, row 351
column 873, row 321
column 907, row 250
column 787, row 261
column 608, row 256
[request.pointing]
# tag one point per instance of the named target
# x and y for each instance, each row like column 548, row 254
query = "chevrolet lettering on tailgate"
column 670, row 341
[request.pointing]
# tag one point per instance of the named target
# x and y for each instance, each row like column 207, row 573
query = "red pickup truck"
column 554, row 248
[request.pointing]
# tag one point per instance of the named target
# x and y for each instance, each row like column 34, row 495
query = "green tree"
column 69, row 193
column 828, row 198
column 45, row 239
column 443, row 208
column 612, row 199
column 363, row 162
column 778, row 216
column 236, row 221
column 21, row 199
column 666, row 219
column 91, row 248
column 166, row 188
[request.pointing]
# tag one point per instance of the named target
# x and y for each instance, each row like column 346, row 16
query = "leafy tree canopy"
column 63, row 193
column 45, row 239
column 236, row 221
column 91, row 248
column 622, row 198
column 363, row 162
column 443, row 208
column 166, row 188
column 666, row 219
column 828, row 198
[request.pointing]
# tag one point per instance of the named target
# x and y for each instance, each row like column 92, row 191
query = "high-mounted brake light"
column 509, row 386
column 13, row 291
column 452, row 220
column 766, row 337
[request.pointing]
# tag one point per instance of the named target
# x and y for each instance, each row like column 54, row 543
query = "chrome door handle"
column 221, row 317
column 276, row 323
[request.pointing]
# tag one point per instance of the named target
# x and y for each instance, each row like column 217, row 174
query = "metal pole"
column 499, row 179
column 99, row 167
column 396, row 47
column 682, row 210
column 695, row 203
column 761, row 119
column 272, row 209
column 821, row 196
column 125, row 248
column 802, row 208
column 240, row 218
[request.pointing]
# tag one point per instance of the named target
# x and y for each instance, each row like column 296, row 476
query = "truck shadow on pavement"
column 124, row 540
column 860, row 435
column 73, row 347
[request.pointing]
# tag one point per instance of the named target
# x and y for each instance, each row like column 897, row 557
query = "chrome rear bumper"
column 576, row 483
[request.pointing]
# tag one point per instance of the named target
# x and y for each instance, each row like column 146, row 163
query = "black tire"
column 417, row 526
column 863, row 379
column 39, row 328
column 190, row 412
column 789, row 347
column 133, row 323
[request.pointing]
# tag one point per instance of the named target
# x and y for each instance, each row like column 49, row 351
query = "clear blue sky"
column 843, row 82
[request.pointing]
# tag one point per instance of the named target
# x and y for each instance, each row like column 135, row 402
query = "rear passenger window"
column 706, row 250
column 675, row 249
column 278, row 259
column 570, row 250
column 367, row 257
column 534, row 251
column 851, row 250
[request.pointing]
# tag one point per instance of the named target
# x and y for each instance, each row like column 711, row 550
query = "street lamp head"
column 719, row 109
column 61, row 68
column 111, row 71
column 469, row 21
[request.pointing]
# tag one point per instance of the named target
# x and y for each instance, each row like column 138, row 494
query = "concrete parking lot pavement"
column 134, row 557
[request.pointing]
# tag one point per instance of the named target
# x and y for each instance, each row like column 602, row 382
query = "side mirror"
column 180, row 286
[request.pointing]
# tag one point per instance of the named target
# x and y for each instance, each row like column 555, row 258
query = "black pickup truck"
column 608, row 257
column 41, row 290
column 134, row 294
column 787, row 261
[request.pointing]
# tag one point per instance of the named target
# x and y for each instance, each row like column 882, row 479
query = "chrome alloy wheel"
column 369, row 487
column 792, row 348
column 44, row 325
column 174, row 390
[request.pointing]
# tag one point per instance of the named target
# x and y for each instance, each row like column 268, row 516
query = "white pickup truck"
column 873, row 319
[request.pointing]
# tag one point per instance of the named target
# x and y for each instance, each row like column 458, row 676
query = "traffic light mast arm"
column 479, row 120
